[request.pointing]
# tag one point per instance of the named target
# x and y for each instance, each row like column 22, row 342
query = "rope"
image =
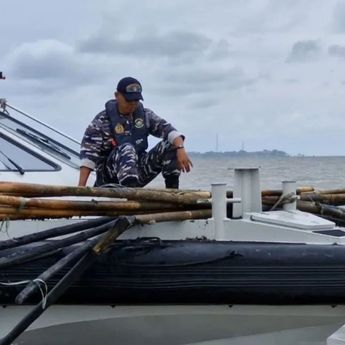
column 38, row 282
column 22, row 204
column 3, row 103
column 5, row 223
column 284, row 199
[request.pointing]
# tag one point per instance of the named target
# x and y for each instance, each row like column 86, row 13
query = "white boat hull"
column 209, row 324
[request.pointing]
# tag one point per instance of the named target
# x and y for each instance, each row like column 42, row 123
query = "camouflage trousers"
column 126, row 167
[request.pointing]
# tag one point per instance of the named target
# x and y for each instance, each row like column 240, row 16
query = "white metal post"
column 289, row 187
column 247, row 188
column 219, row 207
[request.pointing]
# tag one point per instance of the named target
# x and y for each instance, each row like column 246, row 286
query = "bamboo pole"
column 20, row 203
column 332, row 191
column 332, row 199
column 73, row 274
column 36, row 190
column 76, row 271
column 173, row 216
column 121, row 224
column 35, row 213
column 27, row 254
column 308, row 206
column 278, row 192
column 73, row 256
column 54, row 232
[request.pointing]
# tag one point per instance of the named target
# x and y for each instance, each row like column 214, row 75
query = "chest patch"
column 119, row 129
column 139, row 123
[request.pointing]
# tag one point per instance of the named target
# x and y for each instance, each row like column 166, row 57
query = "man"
column 115, row 143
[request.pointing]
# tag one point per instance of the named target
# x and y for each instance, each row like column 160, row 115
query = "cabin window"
column 16, row 157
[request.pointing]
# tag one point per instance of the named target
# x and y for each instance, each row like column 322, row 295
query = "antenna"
column 217, row 142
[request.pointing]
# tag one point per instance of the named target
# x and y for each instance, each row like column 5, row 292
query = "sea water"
column 319, row 172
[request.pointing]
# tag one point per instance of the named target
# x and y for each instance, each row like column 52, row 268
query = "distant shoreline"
column 241, row 153
column 263, row 153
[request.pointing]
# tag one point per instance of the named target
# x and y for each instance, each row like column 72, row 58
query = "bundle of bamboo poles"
column 324, row 203
column 39, row 201
column 122, row 208
column 24, row 201
column 92, row 238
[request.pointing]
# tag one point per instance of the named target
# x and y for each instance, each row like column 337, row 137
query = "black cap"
column 130, row 88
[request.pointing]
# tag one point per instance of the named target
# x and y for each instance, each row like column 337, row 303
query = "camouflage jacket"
column 97, row 142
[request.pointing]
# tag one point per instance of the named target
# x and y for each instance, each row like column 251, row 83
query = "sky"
column 228, row 74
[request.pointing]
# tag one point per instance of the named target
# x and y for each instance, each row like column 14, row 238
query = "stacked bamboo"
column 123, row 208
column 38, row 201
column 324, row 203
column 117, row 209
column 23, row 201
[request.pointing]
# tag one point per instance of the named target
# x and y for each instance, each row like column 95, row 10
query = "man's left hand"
column 183, row 161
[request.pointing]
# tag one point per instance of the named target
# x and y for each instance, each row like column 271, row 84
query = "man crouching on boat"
column 115, row 143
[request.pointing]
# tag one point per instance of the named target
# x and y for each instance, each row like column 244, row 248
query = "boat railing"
column 40, row 134
column 4, row 104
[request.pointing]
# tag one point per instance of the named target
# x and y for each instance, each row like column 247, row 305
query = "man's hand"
column 183, row 161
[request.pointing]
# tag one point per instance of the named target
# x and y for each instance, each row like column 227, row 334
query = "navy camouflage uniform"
column 126, row 162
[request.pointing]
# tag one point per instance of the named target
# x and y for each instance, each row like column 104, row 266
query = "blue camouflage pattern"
column 122, row 164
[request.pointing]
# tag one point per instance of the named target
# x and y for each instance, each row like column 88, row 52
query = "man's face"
column 125, row 107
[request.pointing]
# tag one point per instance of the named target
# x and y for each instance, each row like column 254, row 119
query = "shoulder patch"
column 139, row 123
column 119, row 128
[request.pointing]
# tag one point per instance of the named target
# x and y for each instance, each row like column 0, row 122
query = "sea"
column 320, row 172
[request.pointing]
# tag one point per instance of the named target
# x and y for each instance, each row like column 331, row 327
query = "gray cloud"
column 172, row 44
column 339, row 17
column 337, row 50
column 200, row 80
column 48, row 64
column 205, row 103
column 291, row 81
column 223, row 60
column 219, row 50
column 304, row 51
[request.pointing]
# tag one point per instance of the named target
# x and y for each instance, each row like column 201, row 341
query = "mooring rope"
column 284, row 199
column 38, row 282
column 4, row 226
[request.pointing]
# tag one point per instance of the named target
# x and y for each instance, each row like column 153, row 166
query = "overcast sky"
column 258, row 74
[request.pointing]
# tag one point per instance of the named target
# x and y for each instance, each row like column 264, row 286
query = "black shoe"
column 172, row 182
column 130, row 181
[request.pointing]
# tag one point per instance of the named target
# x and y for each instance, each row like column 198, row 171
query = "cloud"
column 339, row 17
column 47, row 59
column 47, row 65
column 274, row 16
column 304, row 51
column 171, row 44
column 201, row 79
column 337, row 50
column 219, row 50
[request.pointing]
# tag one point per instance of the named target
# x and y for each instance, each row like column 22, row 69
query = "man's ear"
column 115, row 94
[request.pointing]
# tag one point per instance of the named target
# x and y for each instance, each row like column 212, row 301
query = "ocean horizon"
column 321, row 172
